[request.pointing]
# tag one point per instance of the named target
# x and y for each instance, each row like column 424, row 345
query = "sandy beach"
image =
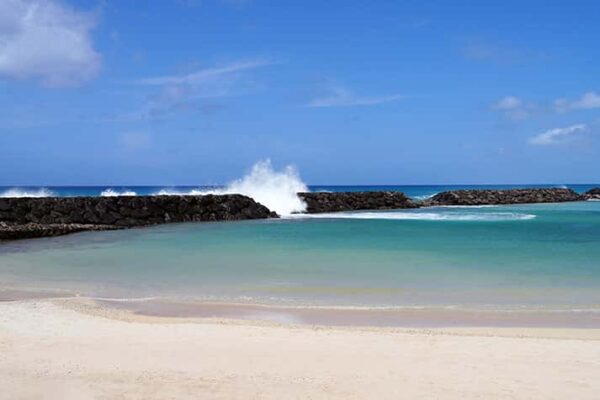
column 69, row 349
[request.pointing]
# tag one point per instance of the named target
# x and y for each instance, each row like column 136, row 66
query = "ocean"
column 414, row 191
column 518, row 257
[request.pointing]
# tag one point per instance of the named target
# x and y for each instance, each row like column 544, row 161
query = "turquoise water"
column 544, row 255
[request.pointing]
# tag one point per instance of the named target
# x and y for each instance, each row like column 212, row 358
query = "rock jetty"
column 52, row 216
column 323, row 202
column 592, row 194
column 33, row 230
column 508, row 196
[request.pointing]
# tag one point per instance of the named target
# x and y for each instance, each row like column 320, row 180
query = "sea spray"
column 23, row 192
column 425, row 196
column 113, row 193
column 276, row 190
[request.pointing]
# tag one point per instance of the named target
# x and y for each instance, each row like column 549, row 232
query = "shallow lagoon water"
column 528, row 256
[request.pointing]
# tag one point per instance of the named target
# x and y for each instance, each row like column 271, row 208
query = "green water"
column 514, row 256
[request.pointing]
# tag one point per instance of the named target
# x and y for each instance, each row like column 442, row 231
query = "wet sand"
column 584, row 317
column 72, row 349
column 406, row 317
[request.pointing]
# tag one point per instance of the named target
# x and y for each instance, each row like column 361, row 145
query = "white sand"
column 49, row 351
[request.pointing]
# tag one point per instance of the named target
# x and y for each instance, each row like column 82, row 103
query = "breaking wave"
column 423, row 216
column 16, row 192
column 424, row 196
column 190, row 192
column 115, row 193
column 276, row 190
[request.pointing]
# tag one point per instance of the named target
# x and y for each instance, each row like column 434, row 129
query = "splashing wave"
column 277, row 190
column 115, row 193
column 19, row 192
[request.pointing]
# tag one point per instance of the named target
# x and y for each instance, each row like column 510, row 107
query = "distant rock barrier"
column 324, row 202
column 52, row 216
column 508, row 196
column 592, row 194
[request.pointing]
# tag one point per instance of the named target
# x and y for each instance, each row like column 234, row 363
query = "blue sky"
column 383, row 92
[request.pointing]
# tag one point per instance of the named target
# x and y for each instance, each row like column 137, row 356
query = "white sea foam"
column 468, row 206
column 190, row 192
column 17, row 192
column 423, row 216
column 115, row 193
column 424, row 196
column 277, row 190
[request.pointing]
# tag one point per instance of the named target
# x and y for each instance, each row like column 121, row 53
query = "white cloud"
column 513, row 108
column 190, row 92
column 508, row 103
column 47, row 41
column 587, row 101
column 342, row 97
column 202, row 75
column 557, row 135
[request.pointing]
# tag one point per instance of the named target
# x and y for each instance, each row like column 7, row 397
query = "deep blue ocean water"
column 416, row 191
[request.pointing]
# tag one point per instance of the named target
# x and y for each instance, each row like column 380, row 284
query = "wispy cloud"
column 508, row 103
column 342, row 97
column 154, row 110
column 558, row 135
column 500, row 53
column 514, row 108
column 587, row 101
column 202, row 75
column 193, row 92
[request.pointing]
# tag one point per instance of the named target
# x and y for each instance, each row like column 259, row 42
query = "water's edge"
column 397, row 316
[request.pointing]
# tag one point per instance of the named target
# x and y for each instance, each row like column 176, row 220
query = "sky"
column 190, row 92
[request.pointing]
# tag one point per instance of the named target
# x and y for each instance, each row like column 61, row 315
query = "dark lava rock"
column 51, row 216
column 508, row 196
column 34, row 230
column 592, row 194
column 322, row 202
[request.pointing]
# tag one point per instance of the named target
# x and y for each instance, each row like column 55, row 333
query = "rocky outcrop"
column 33, row 230
column 592, row 194
column 508, row 196
column 322, row 202
column 51, row 216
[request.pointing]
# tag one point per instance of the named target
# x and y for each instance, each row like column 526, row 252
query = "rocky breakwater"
column 52, row 216
column 324, row 202
column 592, row 194
column 508, row 196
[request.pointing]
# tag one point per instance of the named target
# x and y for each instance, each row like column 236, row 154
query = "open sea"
column 538, row 256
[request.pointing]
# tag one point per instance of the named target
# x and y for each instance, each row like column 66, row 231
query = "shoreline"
column 93, row 308
column 408, row 316
column 52, row 350
column 80, row 307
